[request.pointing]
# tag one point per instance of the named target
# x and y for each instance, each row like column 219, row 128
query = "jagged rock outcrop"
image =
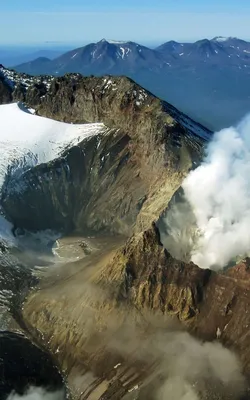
column 211, row 305
column 152, row 279
column 109, row 182
column 97, row 315
column 22, row 87
column 5, row 92
column 100, row 317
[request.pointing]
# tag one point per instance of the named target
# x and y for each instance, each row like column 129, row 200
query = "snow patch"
column 93, row 53
column 221, row 39
column 140, row 96
column 108, row 83
column 40, row 139
column 123, row 52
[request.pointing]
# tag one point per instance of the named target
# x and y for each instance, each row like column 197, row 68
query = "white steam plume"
column 37, row 393
column 219, row 194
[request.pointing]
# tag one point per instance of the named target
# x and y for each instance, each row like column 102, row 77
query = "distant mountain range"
column 98, row 58
column 118, row 57
column 19, row 55
column 218, row 51
column 208, row 79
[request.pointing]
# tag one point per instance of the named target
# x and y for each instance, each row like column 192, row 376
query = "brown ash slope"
column 97, row 316
column 112, row 181
column 108, row 321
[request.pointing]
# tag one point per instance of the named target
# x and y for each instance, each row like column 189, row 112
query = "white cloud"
column 36, row 393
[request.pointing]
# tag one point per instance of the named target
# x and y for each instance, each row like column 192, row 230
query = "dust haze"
column 175, row 365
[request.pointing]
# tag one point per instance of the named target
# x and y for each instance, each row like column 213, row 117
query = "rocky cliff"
column 123, row 177
column 5, row 92
column 105, row 317
column 109, row 334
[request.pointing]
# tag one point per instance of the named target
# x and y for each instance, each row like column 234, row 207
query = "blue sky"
column 145, row 21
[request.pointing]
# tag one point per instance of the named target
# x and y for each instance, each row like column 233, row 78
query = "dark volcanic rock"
column 115, row 101
column 16, row 86
column 211, row 305
column 23, row 365
column 5, row 92
column 34, row 93
column 126, row 298
column 153, row 279
column 119, row 182
column 110, row 180
column 65, row 193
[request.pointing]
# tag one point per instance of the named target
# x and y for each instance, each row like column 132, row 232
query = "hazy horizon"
column 141, row 21
column 68, row 45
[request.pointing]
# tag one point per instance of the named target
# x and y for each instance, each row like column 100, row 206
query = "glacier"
column 22, row 133
column 26, row 138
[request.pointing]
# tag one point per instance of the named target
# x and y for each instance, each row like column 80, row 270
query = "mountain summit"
column 208, row 79
column 105, row 56
column 98, row 315
column 228, row 51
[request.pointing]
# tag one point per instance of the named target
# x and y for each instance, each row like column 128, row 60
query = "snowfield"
column 21, row 133
column 39, row 139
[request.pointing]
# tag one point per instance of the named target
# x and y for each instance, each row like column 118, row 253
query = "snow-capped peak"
column 114, row 41
column 222, row 38
column 122, row 49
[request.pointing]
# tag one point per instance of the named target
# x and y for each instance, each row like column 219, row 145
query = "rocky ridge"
column 88, row 311
column 147, row 151
column 129, row 298
column 212, row 63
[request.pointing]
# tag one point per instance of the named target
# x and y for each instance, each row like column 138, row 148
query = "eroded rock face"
column 64, row 193
column 103, row 318
column 212, row 305
column 112, row 182
column 126, row 299
column 22, row 87
column 154, row 280
column 5, row 93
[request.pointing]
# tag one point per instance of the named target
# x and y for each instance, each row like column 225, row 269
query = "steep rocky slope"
column 108, row 326
column 5, row 92
column 21, row 86
column 108, row 182
column 211, row 75
column 107, row 317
